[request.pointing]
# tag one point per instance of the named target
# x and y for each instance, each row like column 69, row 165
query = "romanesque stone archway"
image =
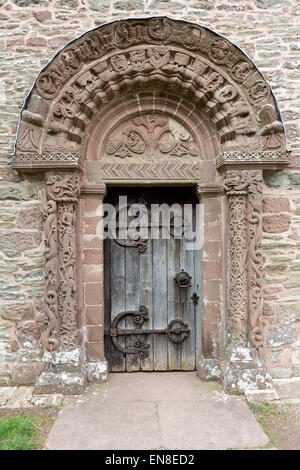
column 130, row 78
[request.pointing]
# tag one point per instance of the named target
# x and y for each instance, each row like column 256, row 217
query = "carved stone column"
column 63, row 359
column 242, row 367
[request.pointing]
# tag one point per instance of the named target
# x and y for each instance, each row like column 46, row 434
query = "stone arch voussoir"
column 155, row 54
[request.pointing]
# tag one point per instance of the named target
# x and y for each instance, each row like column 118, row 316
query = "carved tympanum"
column 62, row 192
column 244, row 190
column 151, row 135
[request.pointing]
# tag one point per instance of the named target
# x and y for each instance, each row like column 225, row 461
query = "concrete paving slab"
column 158, row 386
column 118, row 426
column 155, row 411
column 209, row 426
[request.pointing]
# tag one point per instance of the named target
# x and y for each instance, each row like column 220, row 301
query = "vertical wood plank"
column 188, row 311
column 118, row 304
column 160, row 303
column 146, row 299
column 173, row 255
column 197, row 307
column 132, row 262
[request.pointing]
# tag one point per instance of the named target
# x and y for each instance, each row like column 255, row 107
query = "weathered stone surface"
column 162, row 4
column 28, row 3
column 17, row 311
column 25, row 374
column 20, row 398
column 280, row 335
column 276, row 223
column 276, row 204
column 67, row 383
column 5, row 379
column 36, row 42
column 30, row 277
column 17, row 191
column 42, row 15
column 29, row 333
column 268, row 4
column 8, row 174
column 30, row 356
column 261, row 396
column 65, row 361
column 47, row 400
column 96, row 372
column 209, row 369
column 14, row 345
column 5, row 394
column 239, row 372
column 129, row 5
column 67, row 4
column 285, row 180
column 99, row 5
column 280, row 373
column 21, row 241
column 7, row 356
column 30, row 218
column 288, row 313
column 288, row 388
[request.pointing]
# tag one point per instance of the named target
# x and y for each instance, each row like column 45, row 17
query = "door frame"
column 211, row 343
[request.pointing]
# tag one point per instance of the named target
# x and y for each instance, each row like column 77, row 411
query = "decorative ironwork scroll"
column 138, row 243
column 244, row 191
column 177, row 330
column 62, row 192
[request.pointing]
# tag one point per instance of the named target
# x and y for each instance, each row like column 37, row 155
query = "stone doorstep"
column 22, row 397
column 261, row 396
column 288, row 388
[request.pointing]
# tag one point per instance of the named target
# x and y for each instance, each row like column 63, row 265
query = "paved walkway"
column 150, row 411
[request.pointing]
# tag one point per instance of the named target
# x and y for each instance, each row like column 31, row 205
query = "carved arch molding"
column 151, row 100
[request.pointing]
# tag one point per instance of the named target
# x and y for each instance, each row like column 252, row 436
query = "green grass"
column 18, row 432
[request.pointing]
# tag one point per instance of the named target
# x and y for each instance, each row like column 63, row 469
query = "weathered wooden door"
column 152, row 317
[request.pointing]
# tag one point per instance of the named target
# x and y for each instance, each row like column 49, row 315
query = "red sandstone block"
column 95, row 333
column 93, row 293
column 43, row 15
column 210, row 331
column 15, row 42
column 91, row 225
column 36, row 42
column 95, row 351
column 212, row 232
column 211, row 291
column 211, row 251
column 93, row 256
column 212, row 210
column 93, row 242
column 212, row 269
column 276, row 204
column 211, row 312
column 210, row 349
column 276, row 223
column 92, row 207
column 93, row 273
column 94, row 315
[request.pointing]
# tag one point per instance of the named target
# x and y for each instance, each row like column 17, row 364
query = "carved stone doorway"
column 148, row 102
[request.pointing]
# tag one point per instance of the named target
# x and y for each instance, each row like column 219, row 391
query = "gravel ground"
column 281, row 422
